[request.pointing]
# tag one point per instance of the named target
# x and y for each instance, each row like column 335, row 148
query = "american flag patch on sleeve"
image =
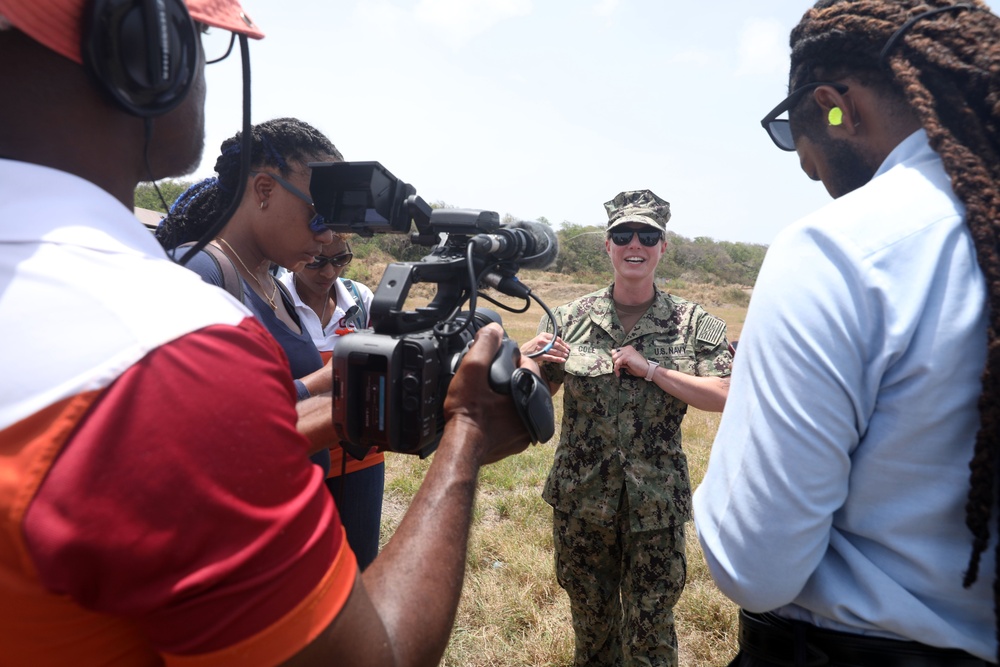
column 710, row 330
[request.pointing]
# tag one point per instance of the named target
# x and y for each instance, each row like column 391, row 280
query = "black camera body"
column 388, row 391
column 385, row 392
column 389, row 382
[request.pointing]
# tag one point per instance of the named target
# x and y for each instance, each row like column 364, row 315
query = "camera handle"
column 530, row 393
column 387, row 314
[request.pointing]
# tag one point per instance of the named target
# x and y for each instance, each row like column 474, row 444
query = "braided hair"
column 943, row 66
column 275, row 145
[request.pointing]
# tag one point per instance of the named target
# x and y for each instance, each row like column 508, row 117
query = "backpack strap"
column 286, row 294
column 231, row 281
column 361, row 321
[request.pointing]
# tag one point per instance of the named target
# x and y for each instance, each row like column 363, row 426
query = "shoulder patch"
column 710, row 330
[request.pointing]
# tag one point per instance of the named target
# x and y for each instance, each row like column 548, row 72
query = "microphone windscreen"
column 546, row 244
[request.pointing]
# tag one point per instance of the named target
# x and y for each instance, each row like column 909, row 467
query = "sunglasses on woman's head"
column 647, row 237
column 343, row 259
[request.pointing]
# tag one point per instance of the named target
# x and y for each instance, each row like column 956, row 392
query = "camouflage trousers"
column 622, row 589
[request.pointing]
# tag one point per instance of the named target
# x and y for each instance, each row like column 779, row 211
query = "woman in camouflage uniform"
column 632, row 359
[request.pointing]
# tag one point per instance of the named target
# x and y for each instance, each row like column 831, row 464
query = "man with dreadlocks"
column 837, row 505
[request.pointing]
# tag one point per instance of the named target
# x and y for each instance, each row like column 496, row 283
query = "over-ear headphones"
column 144, row 53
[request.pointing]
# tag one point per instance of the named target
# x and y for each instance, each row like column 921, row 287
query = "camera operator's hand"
column 484, row 420
column 557, row 354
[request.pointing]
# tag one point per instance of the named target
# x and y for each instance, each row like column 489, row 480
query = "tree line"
column 702, row 259
column 581, row 248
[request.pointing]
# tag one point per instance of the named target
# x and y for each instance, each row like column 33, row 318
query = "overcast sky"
column 540, row 107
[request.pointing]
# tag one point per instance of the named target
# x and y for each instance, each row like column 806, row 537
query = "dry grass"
column 513, row 612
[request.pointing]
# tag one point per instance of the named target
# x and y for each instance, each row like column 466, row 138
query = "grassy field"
column 513, row 612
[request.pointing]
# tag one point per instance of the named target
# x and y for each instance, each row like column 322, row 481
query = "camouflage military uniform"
column 619, row 483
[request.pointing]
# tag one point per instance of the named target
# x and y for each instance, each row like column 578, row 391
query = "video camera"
column 389, row 382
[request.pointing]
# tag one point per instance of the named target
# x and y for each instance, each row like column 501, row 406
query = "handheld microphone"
column 531, row 245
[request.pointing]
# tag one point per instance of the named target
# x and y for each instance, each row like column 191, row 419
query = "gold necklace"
column 322, row 315
column 274, row 285
column 326, row 303
column 322, row 327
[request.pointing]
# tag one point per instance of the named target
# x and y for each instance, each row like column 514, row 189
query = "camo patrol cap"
column 640, row 206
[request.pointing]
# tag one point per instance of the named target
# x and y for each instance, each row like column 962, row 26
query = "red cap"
column 58, row 24
column 225, row 14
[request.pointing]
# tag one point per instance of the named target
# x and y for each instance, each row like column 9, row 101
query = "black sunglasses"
column 778, row 128
column 343, row 259
column 647, row 237
column 318, row 223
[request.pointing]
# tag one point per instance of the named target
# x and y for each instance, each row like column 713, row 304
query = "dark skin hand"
column 403, row 605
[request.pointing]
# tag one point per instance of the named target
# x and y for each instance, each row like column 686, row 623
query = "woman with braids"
column 275, row 224
column 838, row 508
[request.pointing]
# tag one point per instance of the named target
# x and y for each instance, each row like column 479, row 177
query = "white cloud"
column 461, row 20
column 763, row 48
